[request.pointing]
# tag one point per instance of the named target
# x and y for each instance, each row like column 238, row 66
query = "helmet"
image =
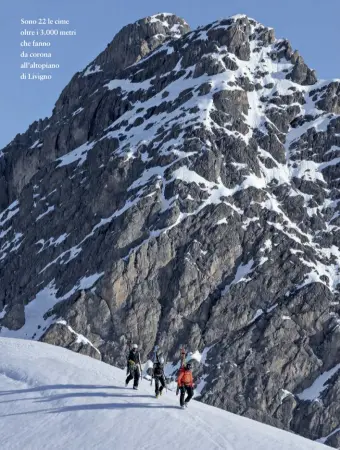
column 161, row 360
column 135, row 346
column 188, row 366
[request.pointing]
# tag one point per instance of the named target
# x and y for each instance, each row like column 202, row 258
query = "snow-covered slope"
column 52, row 398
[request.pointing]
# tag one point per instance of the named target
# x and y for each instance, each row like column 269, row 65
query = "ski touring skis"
column 183, row 356
column 154, row 358
column 182, row 363
column 129, row 345
column 140, row 368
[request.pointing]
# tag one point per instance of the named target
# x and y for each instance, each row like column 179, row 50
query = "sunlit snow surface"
column 52, row 398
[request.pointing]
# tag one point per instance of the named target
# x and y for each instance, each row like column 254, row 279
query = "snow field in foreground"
column 52, row 398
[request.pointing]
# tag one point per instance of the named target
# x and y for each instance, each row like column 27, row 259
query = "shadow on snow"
column 83, row 407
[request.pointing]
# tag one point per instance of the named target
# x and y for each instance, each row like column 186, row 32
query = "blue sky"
column 310, row 25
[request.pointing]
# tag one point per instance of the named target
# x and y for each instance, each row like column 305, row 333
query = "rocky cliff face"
column 186, row 190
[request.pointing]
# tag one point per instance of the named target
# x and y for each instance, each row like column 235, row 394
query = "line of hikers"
column 185, row 381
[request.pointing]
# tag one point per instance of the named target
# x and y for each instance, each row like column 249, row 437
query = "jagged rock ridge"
column 187, row 192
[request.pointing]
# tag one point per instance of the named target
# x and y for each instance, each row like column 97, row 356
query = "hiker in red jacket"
column 185, row 384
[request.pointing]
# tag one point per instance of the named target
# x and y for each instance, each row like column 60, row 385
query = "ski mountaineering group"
column 185, row 381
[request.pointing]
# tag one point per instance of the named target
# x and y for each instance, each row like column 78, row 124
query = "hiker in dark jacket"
column 133, row 364
column 158, row 375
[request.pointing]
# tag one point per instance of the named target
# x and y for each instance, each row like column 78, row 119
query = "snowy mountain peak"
column 186, row 189
column 241, row 16
column 173, row 23
column 165, row 17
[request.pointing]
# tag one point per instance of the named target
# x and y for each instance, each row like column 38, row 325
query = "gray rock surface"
column 186, row 190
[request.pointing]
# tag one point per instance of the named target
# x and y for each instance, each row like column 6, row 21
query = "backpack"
column 158, row 370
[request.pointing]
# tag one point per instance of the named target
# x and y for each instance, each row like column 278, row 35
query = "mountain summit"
column 186, row 190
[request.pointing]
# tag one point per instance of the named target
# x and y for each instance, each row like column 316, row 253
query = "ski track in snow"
column 56, row 399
